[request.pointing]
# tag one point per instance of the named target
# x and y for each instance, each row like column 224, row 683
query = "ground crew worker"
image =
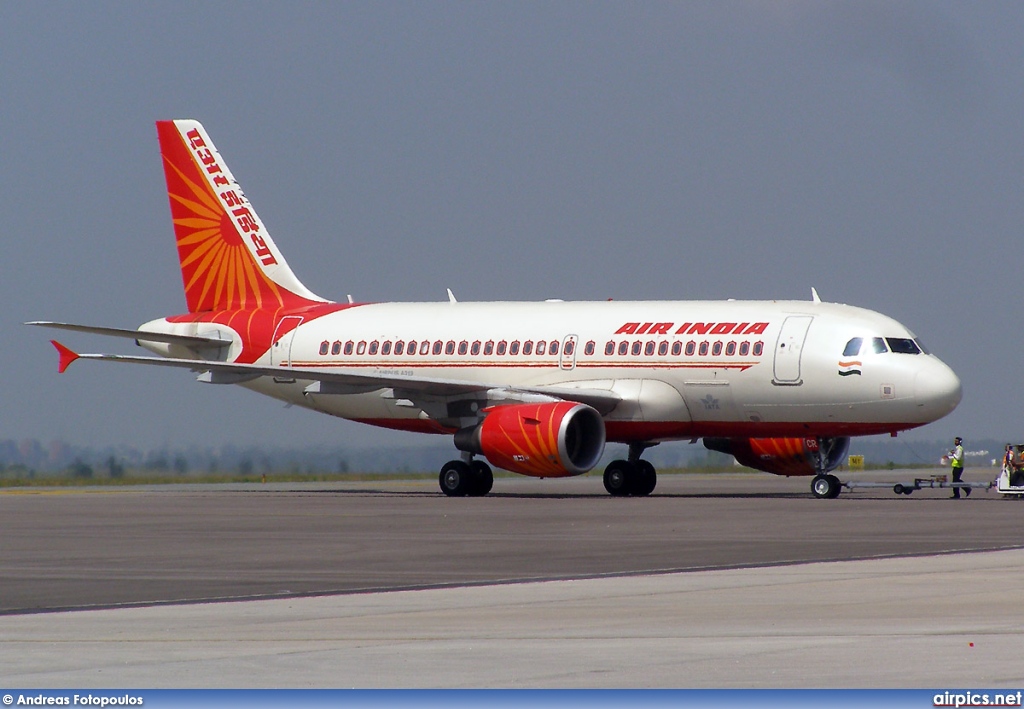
column 956, row 460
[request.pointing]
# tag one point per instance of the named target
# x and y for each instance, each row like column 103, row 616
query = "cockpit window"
column 853, row 347
column 921, row 345
column 903, row 345
column 878, row 345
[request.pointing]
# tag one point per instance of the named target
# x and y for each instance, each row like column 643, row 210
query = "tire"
column 455, row 479
column 617, row 478
column 825, row 487
column 481, row 477
column 645, row 479
column 837, row 487
column 898, row 489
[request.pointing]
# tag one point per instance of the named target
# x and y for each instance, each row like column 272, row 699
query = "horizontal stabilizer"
column 195, row 341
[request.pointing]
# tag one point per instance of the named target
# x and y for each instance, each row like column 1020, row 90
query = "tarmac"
column 943, row 615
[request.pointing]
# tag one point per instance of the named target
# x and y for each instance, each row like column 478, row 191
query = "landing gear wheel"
column 645, row 478
column 481, row 477
column 837, row 487
column 455, row 479
column 825, row 487
column 617, row 477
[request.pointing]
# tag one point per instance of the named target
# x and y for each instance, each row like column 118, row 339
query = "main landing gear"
column 460, row 478
column 633, row 476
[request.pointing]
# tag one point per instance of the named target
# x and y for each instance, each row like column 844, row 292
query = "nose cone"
column 937, row 390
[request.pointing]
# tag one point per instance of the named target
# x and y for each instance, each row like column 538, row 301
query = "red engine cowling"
column 549, row 440
column 784, row 456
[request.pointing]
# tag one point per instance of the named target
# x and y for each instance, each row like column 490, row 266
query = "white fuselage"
column 681, row 369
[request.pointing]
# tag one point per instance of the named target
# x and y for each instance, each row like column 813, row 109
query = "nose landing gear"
column 826, row 487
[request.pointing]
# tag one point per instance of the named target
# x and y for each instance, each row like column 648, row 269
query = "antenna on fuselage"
column 814, row 295
column 451, row 296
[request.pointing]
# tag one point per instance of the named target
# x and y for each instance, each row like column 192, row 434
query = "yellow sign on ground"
column 856, row 462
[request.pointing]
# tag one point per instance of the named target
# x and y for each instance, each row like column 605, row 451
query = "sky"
column 510, row 151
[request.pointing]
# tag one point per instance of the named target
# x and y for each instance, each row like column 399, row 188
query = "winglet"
column 67, row 356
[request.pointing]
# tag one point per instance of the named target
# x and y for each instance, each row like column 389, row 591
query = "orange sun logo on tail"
column 228, row 260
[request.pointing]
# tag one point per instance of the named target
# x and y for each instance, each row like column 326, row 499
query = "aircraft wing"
column 342, row 381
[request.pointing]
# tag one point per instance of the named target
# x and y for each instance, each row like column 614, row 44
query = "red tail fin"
column 228, row 260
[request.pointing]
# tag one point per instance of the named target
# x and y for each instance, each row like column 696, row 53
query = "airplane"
column 536, row 388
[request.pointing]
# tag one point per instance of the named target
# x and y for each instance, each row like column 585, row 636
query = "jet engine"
column 784, row 456
column 547, row 440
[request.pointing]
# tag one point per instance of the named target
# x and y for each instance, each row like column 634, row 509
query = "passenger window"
column 878, row 345
column 449, row 348
column 373, row 347
column 662, row 348
column 758, row 349
column 744, row 349
column 528, row 347
column 348, row 347
column 411, row 347
column 437, row 347
column 361, row 347
column 425, row 347
column 553, row 349
column 385, row 349
column 623, row 348
column 514, row 348
column 730, row 349
column 636, row 348
column 590, row 348
column 324, row 347
column 336, row 347
column 463, row 347
column 691, row 347
column 609, row 348
column 703, row 349
column 677, row 349
column 489, row 348
column 399, row 347
column 475, row 349
column 542, row 347
column 649, row 348
column 569, row 348
column 902, row 345
column 853, row 347
column 502, row 346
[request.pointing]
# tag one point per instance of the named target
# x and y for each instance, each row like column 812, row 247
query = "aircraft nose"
column 937, row 390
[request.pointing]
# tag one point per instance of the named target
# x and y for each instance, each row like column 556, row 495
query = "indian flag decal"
column 849, row 367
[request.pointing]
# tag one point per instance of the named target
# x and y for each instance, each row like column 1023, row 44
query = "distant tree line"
column 29, row 458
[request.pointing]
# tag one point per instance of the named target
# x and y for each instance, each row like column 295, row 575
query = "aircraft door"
column 281, row 350
column 567, row 360
column 789, row 350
